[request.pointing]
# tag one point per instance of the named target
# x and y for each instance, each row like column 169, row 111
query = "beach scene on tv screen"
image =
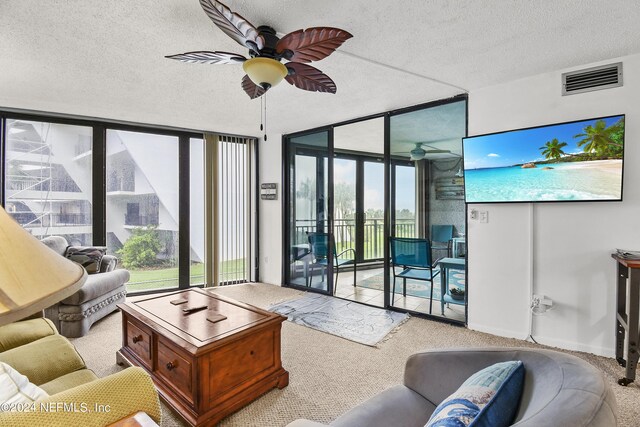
column 570, row 161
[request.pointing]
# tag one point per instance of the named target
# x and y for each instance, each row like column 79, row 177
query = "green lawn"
column 168, row 277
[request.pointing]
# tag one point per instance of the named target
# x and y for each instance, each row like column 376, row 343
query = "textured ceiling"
column 106, row 58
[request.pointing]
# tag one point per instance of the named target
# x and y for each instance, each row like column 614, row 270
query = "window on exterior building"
column 48, row 179
column 142, row 206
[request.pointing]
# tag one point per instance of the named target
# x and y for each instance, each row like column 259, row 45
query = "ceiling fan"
column 264, row 69
column 419, row 153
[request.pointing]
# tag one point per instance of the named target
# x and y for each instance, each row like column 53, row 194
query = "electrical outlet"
column 484, row 217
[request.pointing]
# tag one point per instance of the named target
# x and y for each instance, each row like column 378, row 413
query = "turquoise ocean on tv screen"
column 597, row 180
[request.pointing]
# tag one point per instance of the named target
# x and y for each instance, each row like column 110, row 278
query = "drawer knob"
column 137, row 339
column 171, row 365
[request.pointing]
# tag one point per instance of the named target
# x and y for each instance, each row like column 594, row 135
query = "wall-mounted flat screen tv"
column 574, row 161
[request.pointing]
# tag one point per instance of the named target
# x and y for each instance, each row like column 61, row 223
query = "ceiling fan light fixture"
column 265, row 72
column 417, row 153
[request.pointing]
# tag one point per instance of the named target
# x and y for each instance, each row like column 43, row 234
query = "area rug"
column 416, row 288
column 347, row 319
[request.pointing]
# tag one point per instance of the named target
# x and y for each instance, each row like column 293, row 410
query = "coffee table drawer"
column 139, row 341
column 175, row 369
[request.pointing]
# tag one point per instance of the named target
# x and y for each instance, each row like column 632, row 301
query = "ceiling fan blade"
column 312, row 44
column 207, row 57
column 234, row 25
column 253, row 90
column 437, row 151
column 306, row 77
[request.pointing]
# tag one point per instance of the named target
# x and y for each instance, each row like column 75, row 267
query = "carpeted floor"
column 328, row 374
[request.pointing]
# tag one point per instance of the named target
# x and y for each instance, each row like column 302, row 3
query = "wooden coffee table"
column 204, row 369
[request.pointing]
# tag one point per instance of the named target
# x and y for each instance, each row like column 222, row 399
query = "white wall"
column 271, row 164
column 572, row 241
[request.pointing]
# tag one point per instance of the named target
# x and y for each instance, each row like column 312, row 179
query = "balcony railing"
column 118, row 184
column 141, row 220
column 344, row 231
column 19, row 183
column 30, row 220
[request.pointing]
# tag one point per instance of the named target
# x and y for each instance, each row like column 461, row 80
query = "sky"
column 516, row 147
column 345, row 170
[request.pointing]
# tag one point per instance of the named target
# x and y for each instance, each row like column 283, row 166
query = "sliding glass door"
column 309, row 243
column 426, row 149
column 372, row 215
column 404, row 211
column 367, row 183
column 358, row 207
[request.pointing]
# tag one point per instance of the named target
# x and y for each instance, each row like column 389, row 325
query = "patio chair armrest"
column 347, row 250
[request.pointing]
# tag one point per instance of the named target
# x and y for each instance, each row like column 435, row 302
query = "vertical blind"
column 235, row 204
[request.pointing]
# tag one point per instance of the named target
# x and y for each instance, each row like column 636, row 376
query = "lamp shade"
column 265, row 71
column 32, row 276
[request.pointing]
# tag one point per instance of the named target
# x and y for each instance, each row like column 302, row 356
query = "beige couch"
column 73, row 316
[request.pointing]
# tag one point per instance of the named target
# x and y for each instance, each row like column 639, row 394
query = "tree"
column 617, row 135
column 307, row 191
column 553, row 149
column 345, row 198
column 598, row 138
column 141, row 249
column 344, row 207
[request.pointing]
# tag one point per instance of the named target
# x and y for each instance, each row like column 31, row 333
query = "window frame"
column 99, row 178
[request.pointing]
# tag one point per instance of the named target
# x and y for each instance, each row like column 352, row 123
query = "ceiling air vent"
column 596, row 78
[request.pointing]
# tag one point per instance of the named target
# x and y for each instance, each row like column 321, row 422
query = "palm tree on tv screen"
column 598, row 138
column 553, row 149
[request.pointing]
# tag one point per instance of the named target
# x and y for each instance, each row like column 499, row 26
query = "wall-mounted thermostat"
column 269, row 191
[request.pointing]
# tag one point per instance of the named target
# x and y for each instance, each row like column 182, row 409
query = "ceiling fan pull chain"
column 265, row 117
column 261, row 127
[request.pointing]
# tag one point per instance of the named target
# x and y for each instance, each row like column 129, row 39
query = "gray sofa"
column 559, row 390
column 73, row 316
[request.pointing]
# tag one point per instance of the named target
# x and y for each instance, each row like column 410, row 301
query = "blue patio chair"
column 319, row 245
column 414, row 257
column 442, row 238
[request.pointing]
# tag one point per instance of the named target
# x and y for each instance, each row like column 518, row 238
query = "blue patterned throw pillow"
column 488, row 398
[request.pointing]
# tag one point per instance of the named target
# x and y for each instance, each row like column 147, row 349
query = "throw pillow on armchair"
column 87, row 256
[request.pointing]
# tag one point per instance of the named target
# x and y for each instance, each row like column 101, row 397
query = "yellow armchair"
column 97, row 403
column 76, row 396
